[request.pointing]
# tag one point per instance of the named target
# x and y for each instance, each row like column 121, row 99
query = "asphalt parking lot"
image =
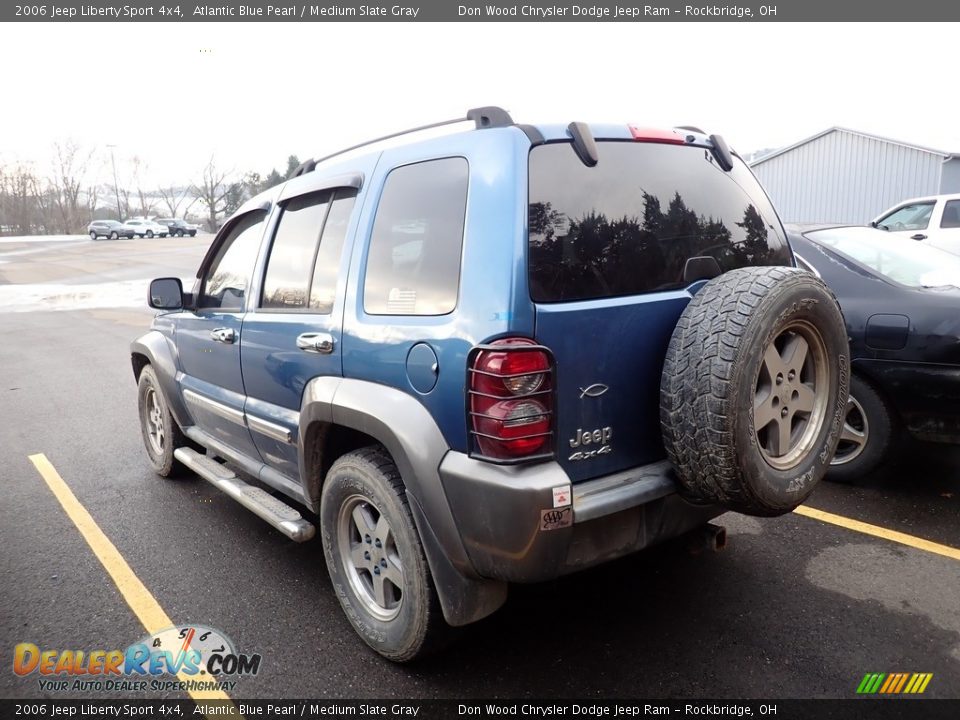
column 795, row 607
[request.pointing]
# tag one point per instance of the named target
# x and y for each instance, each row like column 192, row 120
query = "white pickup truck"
column 934, row 220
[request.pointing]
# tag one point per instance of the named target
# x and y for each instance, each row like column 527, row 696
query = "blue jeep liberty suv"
column 496, row 356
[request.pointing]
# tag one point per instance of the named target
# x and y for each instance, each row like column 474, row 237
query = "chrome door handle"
column 224, row 335
column 316, row 343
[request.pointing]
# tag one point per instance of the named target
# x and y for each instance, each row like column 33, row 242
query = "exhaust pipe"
column 707, row 537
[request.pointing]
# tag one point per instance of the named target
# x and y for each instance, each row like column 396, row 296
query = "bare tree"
column 214, row 191
column 173, row 198
column 140, row 167
column 69, row 168
column 20, row 201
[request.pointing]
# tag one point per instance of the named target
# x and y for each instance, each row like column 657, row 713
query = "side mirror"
column 165, row 294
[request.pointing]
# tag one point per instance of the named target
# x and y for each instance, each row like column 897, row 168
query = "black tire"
column 160, row 454
column 150, row 234
column 93, row 235
column 114, row 235
column 179, row 233
column 718, row 385
column 869, row 435
column 368, row 480
column 163, row 235
column 193, row 233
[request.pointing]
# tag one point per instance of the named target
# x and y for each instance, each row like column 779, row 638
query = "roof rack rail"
column 489, row 116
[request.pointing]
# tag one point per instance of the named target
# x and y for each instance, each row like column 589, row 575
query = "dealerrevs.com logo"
column 200, row 658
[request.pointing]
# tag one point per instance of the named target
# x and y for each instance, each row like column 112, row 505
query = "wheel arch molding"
column 406, row 429
column 155, row 349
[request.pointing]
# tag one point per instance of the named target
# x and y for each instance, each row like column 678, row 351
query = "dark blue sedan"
column 901, row 301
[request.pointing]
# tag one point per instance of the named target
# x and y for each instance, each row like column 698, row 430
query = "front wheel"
column 150, row 234
column 93, row 235
column 179, row 233
column 114, row 235
column 161, row 434
column 375, row 559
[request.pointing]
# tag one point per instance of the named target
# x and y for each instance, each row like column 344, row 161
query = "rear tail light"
column 510, row 401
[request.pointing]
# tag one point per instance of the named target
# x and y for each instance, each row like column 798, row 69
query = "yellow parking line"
column 143, row 604
column 880, row 532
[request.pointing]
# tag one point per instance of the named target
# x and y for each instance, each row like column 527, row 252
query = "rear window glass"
column 414, row 262
column 629, row 224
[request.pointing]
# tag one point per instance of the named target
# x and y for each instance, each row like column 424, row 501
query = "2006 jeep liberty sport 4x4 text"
column 496, row 356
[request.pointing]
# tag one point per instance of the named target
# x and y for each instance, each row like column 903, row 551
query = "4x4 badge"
column 595, row 390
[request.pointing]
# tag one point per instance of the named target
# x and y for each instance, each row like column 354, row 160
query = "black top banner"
column 471, row 11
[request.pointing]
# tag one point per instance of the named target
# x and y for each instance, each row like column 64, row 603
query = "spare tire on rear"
column 754, row 388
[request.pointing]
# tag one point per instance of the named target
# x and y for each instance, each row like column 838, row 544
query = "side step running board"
column 283, row 517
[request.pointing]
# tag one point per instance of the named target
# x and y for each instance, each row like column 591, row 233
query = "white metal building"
column 843, row 176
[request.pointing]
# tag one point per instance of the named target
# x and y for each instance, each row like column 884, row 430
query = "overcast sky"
column 252, row 94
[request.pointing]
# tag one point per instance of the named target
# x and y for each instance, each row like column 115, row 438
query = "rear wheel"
column 161, row 434
column 375, row 559
column 868, row 436
column 754, row 388
column 114, row 235
column 150, row 234
column 179, row 233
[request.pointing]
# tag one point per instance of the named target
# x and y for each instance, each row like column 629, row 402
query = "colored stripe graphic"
column 894, row 683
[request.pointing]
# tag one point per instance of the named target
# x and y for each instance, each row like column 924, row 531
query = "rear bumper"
column 926, row 395
column 512, row 531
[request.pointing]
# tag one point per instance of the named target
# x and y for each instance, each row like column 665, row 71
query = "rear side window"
column 285, row 285
column 413, row 267
column 629, row 224
column 300, row 273
column 323, row 288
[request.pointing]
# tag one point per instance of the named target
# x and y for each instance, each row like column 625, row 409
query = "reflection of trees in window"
column 595, row 256
column 223, row 280
column 286, row 297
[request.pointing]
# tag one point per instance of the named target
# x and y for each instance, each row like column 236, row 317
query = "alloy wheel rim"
column 155, row 430
column 370, row 557
column 790, row 397
column 855, row 433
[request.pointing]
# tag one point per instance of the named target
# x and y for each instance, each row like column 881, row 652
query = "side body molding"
column 409, row 433
column 161, row 353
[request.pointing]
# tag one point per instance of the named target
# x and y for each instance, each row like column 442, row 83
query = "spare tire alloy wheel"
column 754, row 389
column 787, row 410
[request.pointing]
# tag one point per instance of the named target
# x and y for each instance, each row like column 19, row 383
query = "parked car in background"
column 901, row 302
column 933, row 220
column 147, row 228
column 178, row 227
column 112, row 229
